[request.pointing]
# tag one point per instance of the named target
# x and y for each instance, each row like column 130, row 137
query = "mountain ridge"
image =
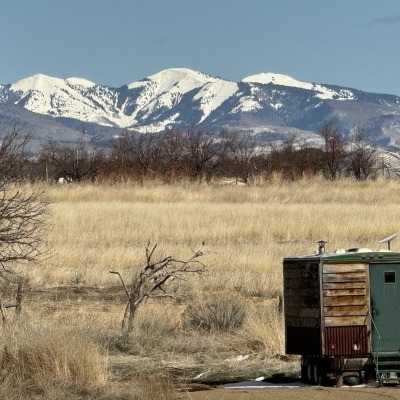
column 268, row 103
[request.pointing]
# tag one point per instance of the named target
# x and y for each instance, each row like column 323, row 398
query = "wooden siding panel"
column 301, row 299
column 345, row 320
column 343, row 268
column 343, row 311
column 345, row 301
column 343, row 285
column 345, row 277
column 345, row 292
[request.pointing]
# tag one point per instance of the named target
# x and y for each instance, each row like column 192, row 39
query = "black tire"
column 315, row 372
column 310, row 372
column 322, row 379
column 304, row 374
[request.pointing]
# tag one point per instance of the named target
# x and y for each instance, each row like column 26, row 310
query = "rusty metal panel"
column 346, row 340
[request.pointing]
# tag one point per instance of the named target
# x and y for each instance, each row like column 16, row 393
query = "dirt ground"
column 298, row 393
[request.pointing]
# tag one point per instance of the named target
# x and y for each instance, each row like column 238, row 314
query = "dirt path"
column 300, row 393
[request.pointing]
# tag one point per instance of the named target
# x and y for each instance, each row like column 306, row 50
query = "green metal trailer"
column 342, row 314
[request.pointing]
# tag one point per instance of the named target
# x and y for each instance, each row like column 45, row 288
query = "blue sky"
column 352, row 43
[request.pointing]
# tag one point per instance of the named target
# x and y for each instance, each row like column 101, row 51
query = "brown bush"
column 219, row 312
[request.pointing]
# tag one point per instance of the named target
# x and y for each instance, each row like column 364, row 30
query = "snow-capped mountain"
column 272, row 104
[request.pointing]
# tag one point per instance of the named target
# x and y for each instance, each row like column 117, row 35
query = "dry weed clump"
column 154, row 325
column 216, row 312
column 41, row 360
column 263, row 330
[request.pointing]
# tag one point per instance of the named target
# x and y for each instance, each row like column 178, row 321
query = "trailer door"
column 385, row 307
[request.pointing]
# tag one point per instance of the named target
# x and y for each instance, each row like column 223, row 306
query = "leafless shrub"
column 153, row 280
column 220, row 312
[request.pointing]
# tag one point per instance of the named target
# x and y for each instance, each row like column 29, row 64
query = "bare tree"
column 77, row 161
column 242, row 151
column 23, row 226
column 14, row 145
column 204, row 153
column 135, row 154
column 153, row 280
column 23, row 213
column 333, row 160
column 23, row 218
column 173, row 144
column 362, row 157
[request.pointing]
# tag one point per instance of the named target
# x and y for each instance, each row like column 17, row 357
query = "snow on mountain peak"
column 80, row 82
column 39, row 82
column 322, row 91
column 277, row 79
column 175, row 79
column 178, row 74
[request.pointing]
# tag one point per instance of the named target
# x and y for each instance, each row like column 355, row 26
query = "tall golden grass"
column 245, row 231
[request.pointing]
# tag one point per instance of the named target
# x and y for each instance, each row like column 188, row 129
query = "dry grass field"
column 67, row 342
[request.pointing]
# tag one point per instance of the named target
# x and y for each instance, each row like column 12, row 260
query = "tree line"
column 193, row 154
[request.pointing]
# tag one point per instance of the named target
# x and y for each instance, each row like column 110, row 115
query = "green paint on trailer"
column 385, row 307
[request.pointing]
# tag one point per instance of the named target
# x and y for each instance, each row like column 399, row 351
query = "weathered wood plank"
column 343, row 268
column 345, row 320
column 346, row 277
column 345, row 311
column 344, row 301
column 343, row 285
column 345, row 292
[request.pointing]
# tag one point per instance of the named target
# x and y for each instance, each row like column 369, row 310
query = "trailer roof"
column 350, row 255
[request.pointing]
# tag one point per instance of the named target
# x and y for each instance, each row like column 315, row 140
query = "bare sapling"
column 23, row 215
column 153, row 281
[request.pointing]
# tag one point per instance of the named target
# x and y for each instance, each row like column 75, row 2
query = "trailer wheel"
column 304, row 369
column 311, row 372
column 304, row 377
column 315, row 372
column 320, row 372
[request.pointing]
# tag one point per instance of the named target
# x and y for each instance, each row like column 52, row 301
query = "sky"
column 353, row 43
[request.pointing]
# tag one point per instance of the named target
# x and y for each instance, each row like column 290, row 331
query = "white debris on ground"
column 237, row 359
column 260, row 383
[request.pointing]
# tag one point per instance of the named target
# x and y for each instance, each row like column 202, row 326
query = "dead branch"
column 152, row 281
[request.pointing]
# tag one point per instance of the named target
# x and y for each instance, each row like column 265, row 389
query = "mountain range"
column 272, row 106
